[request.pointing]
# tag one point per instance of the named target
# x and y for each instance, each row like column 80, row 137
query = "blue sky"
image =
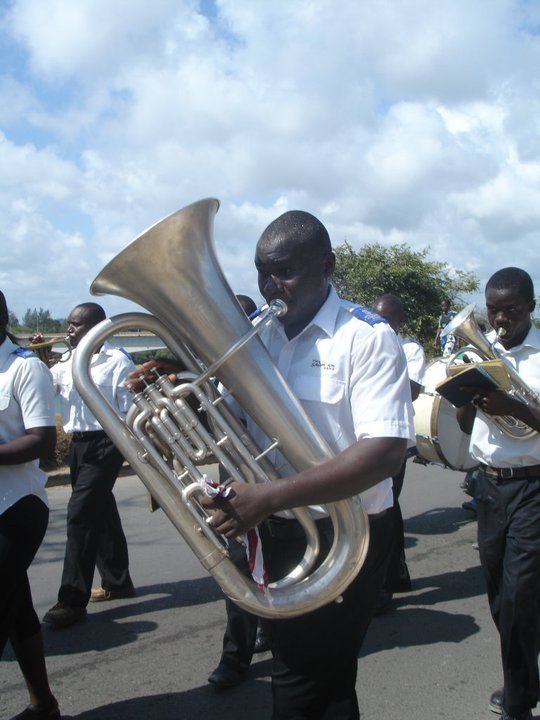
column 405, row 122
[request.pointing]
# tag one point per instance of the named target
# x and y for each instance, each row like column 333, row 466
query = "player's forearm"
column 35, row 443
column 353, row 471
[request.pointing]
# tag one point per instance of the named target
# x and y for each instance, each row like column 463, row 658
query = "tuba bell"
column 172, row 271
column 465, row 326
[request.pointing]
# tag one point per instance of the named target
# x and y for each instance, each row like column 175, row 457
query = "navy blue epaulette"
column 367, row 315
column 123, row 350
column 23, row 352
column 257, row 312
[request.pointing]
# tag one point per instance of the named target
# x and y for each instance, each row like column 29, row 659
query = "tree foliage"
column 421, row 284
column 41, row 321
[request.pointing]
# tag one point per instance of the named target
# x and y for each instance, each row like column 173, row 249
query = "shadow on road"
column 240, row 703
column 439, row 521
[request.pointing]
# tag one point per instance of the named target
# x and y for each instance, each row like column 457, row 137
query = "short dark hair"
column 513, row 278
column 94, row 311
column 4, row 314
column 247, row 304
column 391, row 302
column 301, row 226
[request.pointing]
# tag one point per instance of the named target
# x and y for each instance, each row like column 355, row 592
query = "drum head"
column 439, row 438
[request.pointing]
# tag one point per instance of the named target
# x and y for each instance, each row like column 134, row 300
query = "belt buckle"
column 506, row 473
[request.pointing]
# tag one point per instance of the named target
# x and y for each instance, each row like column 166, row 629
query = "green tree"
column 421, row 283
column 41, row 321
column 13, row 320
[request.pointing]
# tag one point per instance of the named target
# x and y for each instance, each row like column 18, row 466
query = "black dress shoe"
column 496, row 701
column 62, row 615
column 226, row 675
column 261, row 643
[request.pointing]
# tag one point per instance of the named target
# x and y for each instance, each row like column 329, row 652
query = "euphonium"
column 465, row 326
column 172, row 271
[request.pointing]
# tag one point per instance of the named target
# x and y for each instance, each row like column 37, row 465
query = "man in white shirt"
column 345, row 365
column 398, row 578
column 507, row 490
column 94, row 530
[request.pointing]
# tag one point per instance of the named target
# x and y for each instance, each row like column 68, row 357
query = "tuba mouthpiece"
column 277, row 308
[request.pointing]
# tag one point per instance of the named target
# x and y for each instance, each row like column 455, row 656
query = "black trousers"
column 94, row 529
column 22, row 528
column 315, row 656
column 508, row 513
column 397, row 575
column 241, row 628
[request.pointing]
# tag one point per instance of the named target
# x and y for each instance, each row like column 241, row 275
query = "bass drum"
column 439, row 439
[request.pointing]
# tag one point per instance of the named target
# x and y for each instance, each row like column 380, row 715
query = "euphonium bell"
column 172, row 271
column 465, row 326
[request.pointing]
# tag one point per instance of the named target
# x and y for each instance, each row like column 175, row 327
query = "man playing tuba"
column 345, row 365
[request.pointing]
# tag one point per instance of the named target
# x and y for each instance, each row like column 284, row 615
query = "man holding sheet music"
column 507, row 490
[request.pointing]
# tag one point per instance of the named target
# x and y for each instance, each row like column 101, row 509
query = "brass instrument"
column 172, row 271
column 465, row 325
column 45, row 357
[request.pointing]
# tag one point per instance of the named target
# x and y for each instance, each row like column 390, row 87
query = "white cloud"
column 411, row 122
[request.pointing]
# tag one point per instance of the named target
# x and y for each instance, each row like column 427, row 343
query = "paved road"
column 436, row 656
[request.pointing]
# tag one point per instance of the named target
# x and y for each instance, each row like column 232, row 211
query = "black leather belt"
column 88, row 435
column 379, row 515
column 529, row 471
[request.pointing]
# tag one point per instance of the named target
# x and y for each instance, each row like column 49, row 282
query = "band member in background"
column 447, row 343
column 27, row 432
column 507, row 491
column 243, row 635
column 347, row 368
column 94, row 530
column 398, row 578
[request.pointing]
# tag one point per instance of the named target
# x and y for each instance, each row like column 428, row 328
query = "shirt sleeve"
column 123, row 396
column 416, row 361
column 34, row 392
column 380, row 392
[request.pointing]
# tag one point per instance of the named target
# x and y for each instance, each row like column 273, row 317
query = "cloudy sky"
column 396, row 121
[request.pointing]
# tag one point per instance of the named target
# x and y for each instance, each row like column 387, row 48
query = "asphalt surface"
column 435, row 656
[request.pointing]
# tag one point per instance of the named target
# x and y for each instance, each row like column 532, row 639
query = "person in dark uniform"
column 346, row 367
column 507, row 490
column 27, row 433
column 398, row 579
column 243, row 634
column 95, row 537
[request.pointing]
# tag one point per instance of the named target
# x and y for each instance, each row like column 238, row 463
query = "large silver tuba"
column 465, row 326
column 172, row 271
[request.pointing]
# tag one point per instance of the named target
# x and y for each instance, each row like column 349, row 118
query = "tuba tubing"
column 196, row 314
column 465, row 326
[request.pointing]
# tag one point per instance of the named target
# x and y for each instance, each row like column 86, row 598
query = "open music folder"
column 463, row 380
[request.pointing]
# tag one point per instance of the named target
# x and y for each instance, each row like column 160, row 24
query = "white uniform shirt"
column 416, row 367
column 416, row 358
column 109, row 369
column 351, row 379
column 491, row 446
column 26, row 401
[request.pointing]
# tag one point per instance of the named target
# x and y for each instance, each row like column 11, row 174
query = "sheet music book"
column 496, row 368
column 473, row 375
